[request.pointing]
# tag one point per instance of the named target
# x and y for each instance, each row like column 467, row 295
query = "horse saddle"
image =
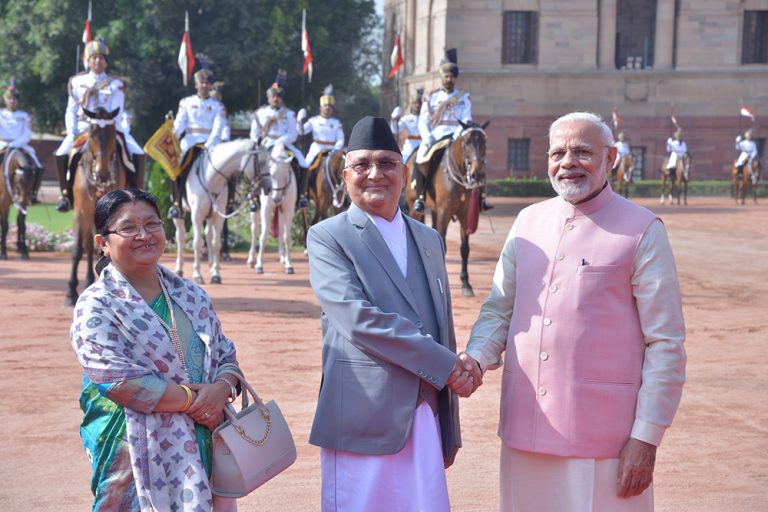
column 440, row 144
column 319, row 158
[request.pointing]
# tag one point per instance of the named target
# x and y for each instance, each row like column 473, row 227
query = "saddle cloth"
column 316, row 163
column 125, row 158
column 440, row 144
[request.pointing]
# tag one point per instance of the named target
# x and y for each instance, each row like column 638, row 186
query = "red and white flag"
column 396, row 59
column 186, row 56
column 87, row 37
column 747, row 113
column 305, row 46
column 616, row 118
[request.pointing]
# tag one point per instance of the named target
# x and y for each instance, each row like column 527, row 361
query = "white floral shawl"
column 117, row 337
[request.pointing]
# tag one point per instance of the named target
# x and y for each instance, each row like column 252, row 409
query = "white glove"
column 738, row 138
column 302, row 115
column 396, row 112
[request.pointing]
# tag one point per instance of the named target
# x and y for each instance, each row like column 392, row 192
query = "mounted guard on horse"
column 675, row 171
column 16, row 132
column 200, row 118
column 275, row 122
column 746, row 169
column 89, row 92
column 325, row 157
column 406, row 128
column 621, row 173
column 442, row 113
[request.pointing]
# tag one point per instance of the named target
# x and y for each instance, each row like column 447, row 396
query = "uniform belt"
column 325, row 142
column 427, row 393
column 198, row 130
column 414, row 137
column 449, row 122
column 272, row 136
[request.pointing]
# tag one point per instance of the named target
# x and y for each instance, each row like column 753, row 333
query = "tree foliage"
column 246, row 42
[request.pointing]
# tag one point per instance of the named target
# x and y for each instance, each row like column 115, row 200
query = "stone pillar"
column 665, row 34
column 607, row 23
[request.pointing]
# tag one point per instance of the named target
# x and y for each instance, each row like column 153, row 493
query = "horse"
column 678, row 180
column 622, row 177
column 18, row 181
column 326, row 186
column 206, row 200
column 99, row 170
column 327, row 189
column 454, row 193
column 278, row 203
column 749, row 175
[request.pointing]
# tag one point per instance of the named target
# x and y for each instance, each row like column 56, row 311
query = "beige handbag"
column 251, row 447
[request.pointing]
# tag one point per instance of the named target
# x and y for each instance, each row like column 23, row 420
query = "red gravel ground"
column 714, row 458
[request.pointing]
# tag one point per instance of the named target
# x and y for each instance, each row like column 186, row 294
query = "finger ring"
column 205, row 415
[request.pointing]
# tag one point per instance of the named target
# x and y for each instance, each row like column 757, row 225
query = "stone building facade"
column 525, row 62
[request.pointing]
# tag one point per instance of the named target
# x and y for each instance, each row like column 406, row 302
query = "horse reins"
column 453, row 169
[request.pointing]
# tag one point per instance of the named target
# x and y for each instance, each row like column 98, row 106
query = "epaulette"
column 433, row 91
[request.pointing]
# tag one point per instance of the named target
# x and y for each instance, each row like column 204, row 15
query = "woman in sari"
column 158, row 369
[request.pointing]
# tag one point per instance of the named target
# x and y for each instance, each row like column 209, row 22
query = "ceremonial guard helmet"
column 11, row 91
column 278, row 87
column 216, row 88
column 450, row 64
column 96, row 47
column 327, row 97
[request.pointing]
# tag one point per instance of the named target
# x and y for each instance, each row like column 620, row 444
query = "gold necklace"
column 173, row 332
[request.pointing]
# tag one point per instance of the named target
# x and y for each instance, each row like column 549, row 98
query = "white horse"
column 206, row 200
column 278, row 197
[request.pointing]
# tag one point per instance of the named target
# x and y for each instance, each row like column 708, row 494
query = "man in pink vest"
column 586, row 303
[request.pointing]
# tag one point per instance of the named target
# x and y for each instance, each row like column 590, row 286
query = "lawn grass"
column 46, row 216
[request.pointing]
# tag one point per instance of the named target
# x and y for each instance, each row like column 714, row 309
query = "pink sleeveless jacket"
column 575, row 348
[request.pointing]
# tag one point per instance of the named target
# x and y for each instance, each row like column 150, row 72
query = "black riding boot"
column 177, row 189
column 36, row 186
column 64, row 203
column 136, row 179
column 484, row 205
column 302, row 182
column 421, row 188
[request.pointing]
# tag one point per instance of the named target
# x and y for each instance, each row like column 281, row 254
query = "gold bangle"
column 190, row 397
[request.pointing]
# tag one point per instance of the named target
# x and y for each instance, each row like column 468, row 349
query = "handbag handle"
column 231, row 414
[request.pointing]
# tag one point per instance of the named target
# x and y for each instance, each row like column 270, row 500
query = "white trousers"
column 412, row 480
column 535, row 482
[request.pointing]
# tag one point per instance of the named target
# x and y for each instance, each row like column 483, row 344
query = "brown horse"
column 327, row 190
column 18, row 180
column 743, row 179
column 678, row 180
column 99, row 171
column 622, row 176
column 459, row 174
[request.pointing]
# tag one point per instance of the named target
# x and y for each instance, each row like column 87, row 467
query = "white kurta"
column 411, row 480
column 535, row 482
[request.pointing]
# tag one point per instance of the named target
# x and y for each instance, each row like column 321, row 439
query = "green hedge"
column 535, row 187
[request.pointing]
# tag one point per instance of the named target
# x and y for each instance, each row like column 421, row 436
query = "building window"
column 635, row 33
column 521, row 30
column 638, row 155
column 754, row 46
column 517, row 155
column 760, row 143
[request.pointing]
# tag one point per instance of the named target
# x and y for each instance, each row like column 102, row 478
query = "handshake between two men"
column 466, row 376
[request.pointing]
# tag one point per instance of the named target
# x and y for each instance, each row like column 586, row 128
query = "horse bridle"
column 87, row 163
column 454, row 174
column 17, row 202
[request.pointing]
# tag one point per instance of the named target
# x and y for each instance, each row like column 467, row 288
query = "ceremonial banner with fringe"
column 164, row 148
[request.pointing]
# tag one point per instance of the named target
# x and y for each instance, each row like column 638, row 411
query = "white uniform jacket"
column 748, row 150
column 409, row 124
column 440, row 116
column 677, row 149
column 16, row 131
column 327, row 133
column 270, row 125
column 92, row 91
column 201, row 120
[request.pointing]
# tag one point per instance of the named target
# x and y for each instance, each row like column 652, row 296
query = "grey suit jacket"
column 374, row 353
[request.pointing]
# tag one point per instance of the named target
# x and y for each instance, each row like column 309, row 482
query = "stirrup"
column 63, row 205
column 174, row 212
column 418, row 205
